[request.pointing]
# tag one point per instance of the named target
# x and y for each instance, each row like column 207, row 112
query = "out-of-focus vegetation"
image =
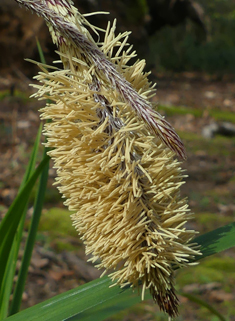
column 181, row 48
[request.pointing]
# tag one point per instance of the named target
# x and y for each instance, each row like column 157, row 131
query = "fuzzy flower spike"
column 114, row 156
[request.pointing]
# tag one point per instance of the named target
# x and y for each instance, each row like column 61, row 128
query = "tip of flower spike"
column 168, row 302
column 173, row 141
column 165, row 132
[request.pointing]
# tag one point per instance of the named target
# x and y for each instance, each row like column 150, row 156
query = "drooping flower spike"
column 67, row 29
column 109, row 149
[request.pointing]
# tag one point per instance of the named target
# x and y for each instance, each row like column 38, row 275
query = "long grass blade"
column 86, row 300
column 40, row 51
column 193, row 298
column 19, row 288
column 11, row 220
column 33, row 157
column 75, row 303
column 7, row 283
column 217, row 240
column 17, row 297
column 7, row 276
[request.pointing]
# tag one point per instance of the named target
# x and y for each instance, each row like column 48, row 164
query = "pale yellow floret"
column 121, row 181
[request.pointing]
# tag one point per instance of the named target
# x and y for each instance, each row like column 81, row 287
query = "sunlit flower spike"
column 110, row 151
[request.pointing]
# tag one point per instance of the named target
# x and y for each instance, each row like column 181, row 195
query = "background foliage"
column 181, row 49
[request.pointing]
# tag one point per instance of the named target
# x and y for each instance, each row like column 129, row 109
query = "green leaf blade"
column 86, row 300
column 11, row 220
column 193, row 298
column 17, row 296
column 79, row 302
column 10, row 246
column 216, row 241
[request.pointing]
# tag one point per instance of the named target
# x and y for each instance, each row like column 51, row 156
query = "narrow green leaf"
column 111, row 307
column 19, row 203
column 7, row 282
column 193, row 298
column 87, row 299
column 10, row 258
column 17, row 296
column 216, row 241
column 75, row 303
column 33, row 157
column 40, row 51
column 11, row 220
column 20, row 284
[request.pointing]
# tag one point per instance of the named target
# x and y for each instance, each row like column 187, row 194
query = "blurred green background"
column 180, row 48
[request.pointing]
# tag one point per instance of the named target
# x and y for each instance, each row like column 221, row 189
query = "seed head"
column 110, row 151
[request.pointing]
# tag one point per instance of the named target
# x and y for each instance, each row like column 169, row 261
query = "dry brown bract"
column 120, row 179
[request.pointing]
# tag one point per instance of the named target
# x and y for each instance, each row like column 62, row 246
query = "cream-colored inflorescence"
column 121, row 181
